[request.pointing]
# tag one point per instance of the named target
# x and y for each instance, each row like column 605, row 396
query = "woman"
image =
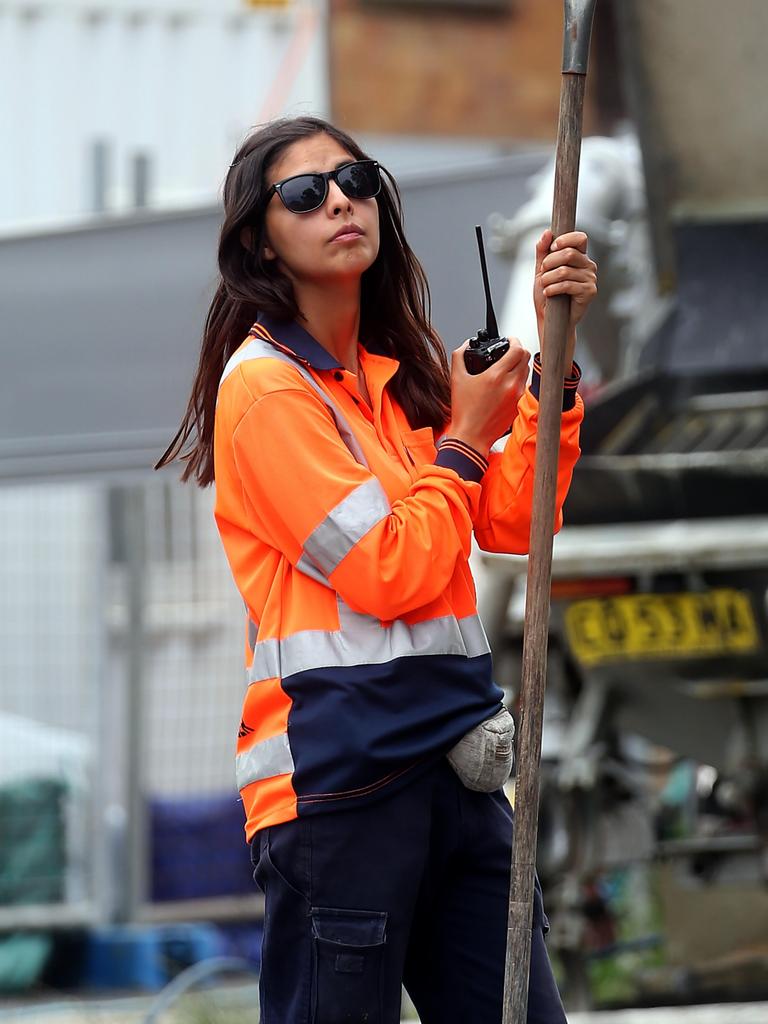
column 320, row 392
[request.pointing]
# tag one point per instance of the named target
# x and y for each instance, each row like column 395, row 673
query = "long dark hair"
column 394, row 304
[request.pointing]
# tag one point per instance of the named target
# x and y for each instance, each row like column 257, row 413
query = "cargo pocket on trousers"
column 348, row 965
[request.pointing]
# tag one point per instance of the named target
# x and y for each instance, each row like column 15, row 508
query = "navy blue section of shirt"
column 460, row 463
column 355, row 732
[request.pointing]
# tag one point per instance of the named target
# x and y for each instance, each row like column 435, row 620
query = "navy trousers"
column 411, row 889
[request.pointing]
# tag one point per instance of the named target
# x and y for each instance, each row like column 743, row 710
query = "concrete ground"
column 210, row 1010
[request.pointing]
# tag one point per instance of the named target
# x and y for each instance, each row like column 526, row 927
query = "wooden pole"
column 577, row 30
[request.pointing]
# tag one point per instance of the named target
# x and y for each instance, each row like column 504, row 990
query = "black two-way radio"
column 486, row 346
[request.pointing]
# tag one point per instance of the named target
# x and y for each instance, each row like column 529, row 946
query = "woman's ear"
column 248, row 241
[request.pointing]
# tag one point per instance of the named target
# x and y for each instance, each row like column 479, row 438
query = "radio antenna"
column 490, row 317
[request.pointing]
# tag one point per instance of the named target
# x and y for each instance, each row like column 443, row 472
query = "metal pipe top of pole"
column 576, row 35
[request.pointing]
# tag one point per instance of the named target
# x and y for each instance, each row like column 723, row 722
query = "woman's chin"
column 351, row 268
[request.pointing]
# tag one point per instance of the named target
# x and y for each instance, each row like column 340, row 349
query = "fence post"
column 137, row 832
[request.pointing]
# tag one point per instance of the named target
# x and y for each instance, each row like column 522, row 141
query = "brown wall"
column 415, row 70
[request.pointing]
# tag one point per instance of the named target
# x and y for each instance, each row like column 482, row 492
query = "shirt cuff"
column 461, row 458
column 570, row 383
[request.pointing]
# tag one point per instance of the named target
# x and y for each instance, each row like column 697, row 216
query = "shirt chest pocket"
column 420, row 445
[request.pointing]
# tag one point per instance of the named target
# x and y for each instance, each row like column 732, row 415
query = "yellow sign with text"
column 646, row 626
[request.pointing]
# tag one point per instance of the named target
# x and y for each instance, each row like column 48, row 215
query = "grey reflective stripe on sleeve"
column 346, row 524
column 309, row 569
column 266, row 660
column 362, row 640
column 264, row 760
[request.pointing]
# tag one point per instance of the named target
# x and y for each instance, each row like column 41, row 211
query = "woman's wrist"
column 570, row 348
column 467, row 437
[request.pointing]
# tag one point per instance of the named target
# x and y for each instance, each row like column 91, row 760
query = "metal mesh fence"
column 193, row 644
column 121, row 676
column 52, row 652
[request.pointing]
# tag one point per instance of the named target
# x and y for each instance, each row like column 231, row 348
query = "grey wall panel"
column 100, row 329
column 440, row 223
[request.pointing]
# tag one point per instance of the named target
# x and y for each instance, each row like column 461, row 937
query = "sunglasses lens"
column 304, row 193
column 360, row 180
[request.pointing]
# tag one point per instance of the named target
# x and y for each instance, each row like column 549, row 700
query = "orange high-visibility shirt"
column 348, row 534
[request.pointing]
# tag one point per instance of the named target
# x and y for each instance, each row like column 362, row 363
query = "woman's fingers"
column 547, row 244
column 563, row 259
column 553, row 280
column 564, row 268
column 581, row 290
column 543, row 246
column 568, row 257
column 512, row 359
column 568, row 270
column 574, row 239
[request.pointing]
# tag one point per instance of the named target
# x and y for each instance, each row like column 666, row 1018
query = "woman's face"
column 303, row 243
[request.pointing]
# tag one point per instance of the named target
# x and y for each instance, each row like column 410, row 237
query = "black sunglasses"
column 304, row 193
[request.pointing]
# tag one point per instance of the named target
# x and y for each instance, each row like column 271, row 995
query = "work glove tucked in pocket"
column 483, row 758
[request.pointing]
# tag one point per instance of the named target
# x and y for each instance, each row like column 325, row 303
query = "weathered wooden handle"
column 578, row 20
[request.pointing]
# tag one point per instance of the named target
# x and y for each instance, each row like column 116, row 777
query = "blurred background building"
column 111, row 105
column 121, row 635
column 430, row 67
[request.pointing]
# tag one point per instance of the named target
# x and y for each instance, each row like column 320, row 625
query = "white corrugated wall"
column 177, row 82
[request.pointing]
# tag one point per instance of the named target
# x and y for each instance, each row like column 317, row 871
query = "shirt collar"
column 291, row 335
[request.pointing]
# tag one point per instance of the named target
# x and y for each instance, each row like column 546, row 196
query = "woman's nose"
column 337, row 199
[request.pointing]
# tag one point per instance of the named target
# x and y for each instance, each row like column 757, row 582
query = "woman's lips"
column 347, row 234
